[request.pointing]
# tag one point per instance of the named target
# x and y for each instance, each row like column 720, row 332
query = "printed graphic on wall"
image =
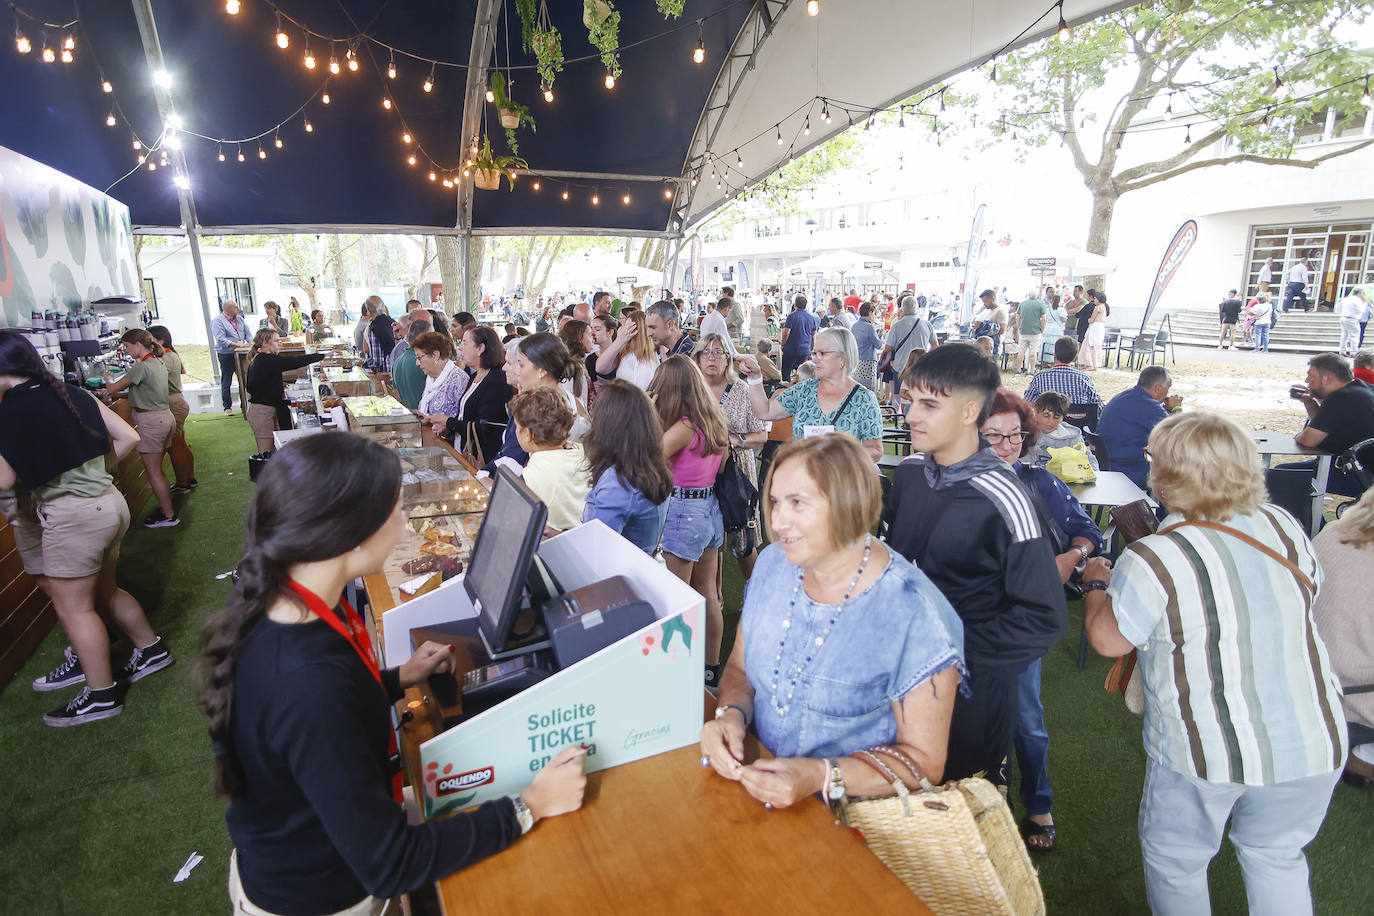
column 62, row 243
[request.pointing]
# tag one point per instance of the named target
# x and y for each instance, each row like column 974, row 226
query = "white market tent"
column 1068, row 259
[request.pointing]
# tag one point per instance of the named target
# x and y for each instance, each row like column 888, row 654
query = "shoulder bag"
column 955, row 846
column 738, row 498
column 1133, row 521
column 885, row 364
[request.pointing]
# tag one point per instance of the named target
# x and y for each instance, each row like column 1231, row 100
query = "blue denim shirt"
column 895, row 634
column 626, row 510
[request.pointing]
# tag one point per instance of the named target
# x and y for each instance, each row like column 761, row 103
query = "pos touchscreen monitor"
column 504, row 579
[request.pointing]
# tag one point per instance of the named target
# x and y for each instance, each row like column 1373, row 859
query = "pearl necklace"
column 799, row 667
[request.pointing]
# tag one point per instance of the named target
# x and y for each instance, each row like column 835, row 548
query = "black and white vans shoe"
column 144, row 662
column 87, row 706
column 67, row 673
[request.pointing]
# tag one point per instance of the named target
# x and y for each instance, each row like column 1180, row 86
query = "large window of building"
column 240, row 289
column 1337, row 253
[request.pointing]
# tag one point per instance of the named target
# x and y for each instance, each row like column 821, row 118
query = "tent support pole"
column 152, row 50
column 670, row 265
column 464, row 251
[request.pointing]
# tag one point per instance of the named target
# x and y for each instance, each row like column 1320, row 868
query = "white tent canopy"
column 575, row 273
column 1068, row 260
column 849, row 264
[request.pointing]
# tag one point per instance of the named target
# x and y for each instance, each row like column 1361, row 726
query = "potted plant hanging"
column 540, row 37
column 487, row 167
column 603, row 31
column 594, row 12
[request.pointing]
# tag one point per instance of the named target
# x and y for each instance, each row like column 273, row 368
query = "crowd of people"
column 914, row 616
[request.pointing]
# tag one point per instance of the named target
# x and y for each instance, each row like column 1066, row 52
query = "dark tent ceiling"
column 664, row 117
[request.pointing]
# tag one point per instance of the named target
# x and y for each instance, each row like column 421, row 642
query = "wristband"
column 1094, row 585
column 754, row 379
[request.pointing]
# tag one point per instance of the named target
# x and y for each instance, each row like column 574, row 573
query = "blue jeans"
column 226, row 378
column 1032, row 742
column 1262, row 337
column 693, row 526
column 1181, row 822
column 1292, row 293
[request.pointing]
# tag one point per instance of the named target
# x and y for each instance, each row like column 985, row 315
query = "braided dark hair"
column 362, row 481
column 18, row 356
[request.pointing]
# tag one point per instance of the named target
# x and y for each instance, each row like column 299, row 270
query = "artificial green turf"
column 97, row 819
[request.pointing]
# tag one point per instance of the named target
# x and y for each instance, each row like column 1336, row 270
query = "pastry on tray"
column 439, row 549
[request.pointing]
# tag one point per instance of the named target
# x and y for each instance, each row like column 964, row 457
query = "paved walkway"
column 1271, row 360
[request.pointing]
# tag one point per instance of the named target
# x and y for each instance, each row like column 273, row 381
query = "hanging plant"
column 541, row 38
column 603, row 31
column 512, row 112
column 670, row 8
column 488, row 168
column 528, row 11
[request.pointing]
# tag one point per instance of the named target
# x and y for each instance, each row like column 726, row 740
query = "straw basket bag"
column 955, row 846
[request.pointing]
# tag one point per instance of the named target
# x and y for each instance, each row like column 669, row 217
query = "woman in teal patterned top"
column 832, row 401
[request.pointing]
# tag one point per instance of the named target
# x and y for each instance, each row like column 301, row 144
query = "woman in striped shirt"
column 1242, row 706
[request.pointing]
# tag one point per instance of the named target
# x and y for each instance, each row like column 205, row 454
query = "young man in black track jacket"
column 958, row 512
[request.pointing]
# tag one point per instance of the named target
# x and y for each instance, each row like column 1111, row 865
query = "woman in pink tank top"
column 695, row 437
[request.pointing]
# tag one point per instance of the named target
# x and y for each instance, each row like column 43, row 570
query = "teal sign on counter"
column 639, row 697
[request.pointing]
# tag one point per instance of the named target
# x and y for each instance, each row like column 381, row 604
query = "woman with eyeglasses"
column 1010, row 430
column 832, row 402
column 445, row 383
column 746, row 432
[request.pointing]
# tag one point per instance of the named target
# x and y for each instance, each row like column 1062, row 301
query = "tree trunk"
column 372, row 274
column 540, row 280
column 449, row 250
column 477, row 249
column 340, row 277
column 1100, row 230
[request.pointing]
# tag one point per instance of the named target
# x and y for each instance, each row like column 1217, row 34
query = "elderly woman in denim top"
column 843, row 644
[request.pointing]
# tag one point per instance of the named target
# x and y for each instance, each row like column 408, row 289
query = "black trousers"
column 1293, row 292
column 791, row 361
column 981, row 733
column 226, row 378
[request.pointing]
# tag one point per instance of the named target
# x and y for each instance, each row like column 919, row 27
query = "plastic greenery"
column 604, row 32
column 497, row 82
column 547, row 45
column 486, row 161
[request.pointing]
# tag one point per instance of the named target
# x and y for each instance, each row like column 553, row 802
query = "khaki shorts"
column 155, row 428
column 263, row 419
column 368, row 906
column 180, row 411
column 69, row 537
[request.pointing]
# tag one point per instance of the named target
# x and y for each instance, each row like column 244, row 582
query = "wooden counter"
column 26, row 615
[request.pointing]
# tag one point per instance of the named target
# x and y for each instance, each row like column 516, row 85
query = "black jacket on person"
column 316, row 828
column 484, row 415
column 973, row 529
column 264, row 382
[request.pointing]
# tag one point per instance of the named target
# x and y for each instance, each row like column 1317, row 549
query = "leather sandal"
column 1031, row 830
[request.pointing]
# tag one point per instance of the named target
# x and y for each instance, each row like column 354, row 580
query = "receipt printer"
column 586, row 620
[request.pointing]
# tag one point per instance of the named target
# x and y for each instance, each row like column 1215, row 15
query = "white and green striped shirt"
column 1238, row 687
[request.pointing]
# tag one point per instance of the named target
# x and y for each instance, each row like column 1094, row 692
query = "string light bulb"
column 231, row 7
column 277, row 141
column 221, row 154
column 309, row 55
column 825, row 111
column 1120, row 137
column 1365, row 99
column 110, row 120
column 309, row 128
column 942, row 100
column 1280, row 87
column 668, row 192
column 406, row 137
column 283, row 42
column 324, row 98
column 152, row 166
column 386, row 102
column 535, row 186
column 137, row 144
column 901, row 117
column 565, row 194
column 433, row 176
column 21, row 41
column 1188, row 135
column 352, row 61
column 694, row 181
column 813, row 7
column 699, row 55
column 1064, row 31
column 429, row 80
column 491, row 96
column 391, row 66
column 333, row 61
column 806, row 128
column 596, row 198
column 610, row 80
column 1169, row 108
column 548, row 94
column 779, row 129
column 1264, row 122
column 69, row 42
column 625, row 200
column 410, row 160
column 241, row 157
column 49, row 55
column 66, row 55
column 739, row 160
column 262, row 153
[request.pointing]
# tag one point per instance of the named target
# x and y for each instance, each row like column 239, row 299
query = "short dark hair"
column 866, row 310
column 1053, row 401
column 728, row 291
column 945, row 370
column 1065, row 349
column 835, row 303
column 414, row 304
column 1153, row 376
column 987, row 292
column 1333, row 365
column 799, row 303
column 601, row 294
column 464, row 319
column 664, row 309
column 725, row 302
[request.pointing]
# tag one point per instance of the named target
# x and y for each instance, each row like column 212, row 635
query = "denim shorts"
column 694, row 526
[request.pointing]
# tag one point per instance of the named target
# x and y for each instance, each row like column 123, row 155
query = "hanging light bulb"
column 137, row 144
column 825, row 111
column 433, row 176
column 942, row 101
column 466, row 173
column 386, row 102
column 49, row 55
column 391, row 66
column 992, row 74
column 325, row 98
column 309, row 54
column 1264, row 122
column 536, row 184
column 352, row 61
column 699, row 55
column 668, row 192
column 491, row 96
column 565, row 193
column 142, row 158
column 739, row 160
column 1064, row 31
column 69, row 42
column 447, row 182
column 241, row 157
column 282, row 41
column 610, row 81
column 220, row 154
column 596, row 198
column 1188, row 134
column 1365, row 99
column 1280, row 87
column 429, row 80
column 779, row 128
column 333, row 61
column 548, row 94
column 901, row 117
column 406, row 137
column 21, row 41
column 1120, row 136
column 277, row 141
column 152, row 166
column 66, row 55
column 813, row 7
column 231, row 7
column 262, row 153
column 625, row 200
column 791, row 157
column 309, row 128
column 110, row 120
column 806, row 128
column 474, row 146
column 410, row 160
column 1169, row 108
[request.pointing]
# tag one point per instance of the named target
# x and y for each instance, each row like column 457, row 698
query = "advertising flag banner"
column 973, row 262
column 1178, row 249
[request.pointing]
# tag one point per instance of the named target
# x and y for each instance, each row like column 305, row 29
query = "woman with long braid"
column 300, row 712
column 68, row 520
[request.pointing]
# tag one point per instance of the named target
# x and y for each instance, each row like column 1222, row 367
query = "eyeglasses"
column 1016, row 438
column 714, row 353
column 824, row 352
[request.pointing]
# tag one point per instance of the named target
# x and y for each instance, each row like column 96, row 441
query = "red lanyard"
column 145, row 357
column 356, row 634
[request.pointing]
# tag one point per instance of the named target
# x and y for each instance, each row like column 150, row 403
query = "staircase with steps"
column 1295, row 332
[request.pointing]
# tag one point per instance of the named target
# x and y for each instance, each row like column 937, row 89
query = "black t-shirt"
column 1230, row 311
column 1346, row 416
column 1084, row 318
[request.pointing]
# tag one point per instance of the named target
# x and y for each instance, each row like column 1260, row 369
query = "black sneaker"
column 87, row 706
column 181, row 489
column 67, row 673
column 158, row 520
column 144, row 662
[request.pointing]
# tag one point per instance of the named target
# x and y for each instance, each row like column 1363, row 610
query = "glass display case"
column 444, row 505
column 384, row 420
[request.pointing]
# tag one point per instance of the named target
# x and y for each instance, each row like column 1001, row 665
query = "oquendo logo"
column 464, row 782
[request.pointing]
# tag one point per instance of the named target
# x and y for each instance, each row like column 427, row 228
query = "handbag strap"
column 1263, row 548
column 835, row 421
column 905, row 760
